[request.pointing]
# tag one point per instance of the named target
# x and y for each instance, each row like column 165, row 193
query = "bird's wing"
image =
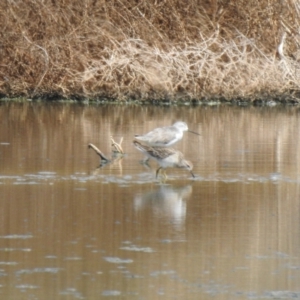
column 161, row 153
column 162, row 135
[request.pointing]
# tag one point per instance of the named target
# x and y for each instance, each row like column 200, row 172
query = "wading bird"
column 164, row 136
column 165, row 157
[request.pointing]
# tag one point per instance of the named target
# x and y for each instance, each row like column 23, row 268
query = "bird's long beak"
column 194, row 132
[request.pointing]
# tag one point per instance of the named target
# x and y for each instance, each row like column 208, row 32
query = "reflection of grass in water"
column 156, row 49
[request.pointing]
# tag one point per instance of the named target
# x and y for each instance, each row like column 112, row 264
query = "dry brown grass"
column 148, row 49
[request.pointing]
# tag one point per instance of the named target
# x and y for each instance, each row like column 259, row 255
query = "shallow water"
column 72, row 230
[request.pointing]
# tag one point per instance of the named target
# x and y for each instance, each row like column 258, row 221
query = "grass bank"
column 150, row 49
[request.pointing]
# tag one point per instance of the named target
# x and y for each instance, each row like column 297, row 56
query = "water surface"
column 70, row 229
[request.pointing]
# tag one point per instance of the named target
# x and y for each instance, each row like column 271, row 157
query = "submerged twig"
column 99, row 152
column 117, row 153
column 117, row 146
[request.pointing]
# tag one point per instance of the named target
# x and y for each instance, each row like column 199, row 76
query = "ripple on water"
column 15, row 249
column 144, row 178
column 47, row 173
column 51, row 256
column 38, row 270
column 2, row 273
column 17, row 236
column 117, row 260
column 111, row 293
column 137, row 249
column 158, row 273
column 73, row 258
column 8, row 263
column 26, row 287
column 270, row 295
column 19, row 182
column 72, row 292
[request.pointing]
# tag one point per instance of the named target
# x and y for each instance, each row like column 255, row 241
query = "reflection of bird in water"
column 164, row 136
column 165, row 157
column 167, row 202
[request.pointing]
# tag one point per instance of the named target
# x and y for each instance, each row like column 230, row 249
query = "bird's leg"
column 145, row 161
column 192, row 174
column 165, row 174
column 157, row 171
